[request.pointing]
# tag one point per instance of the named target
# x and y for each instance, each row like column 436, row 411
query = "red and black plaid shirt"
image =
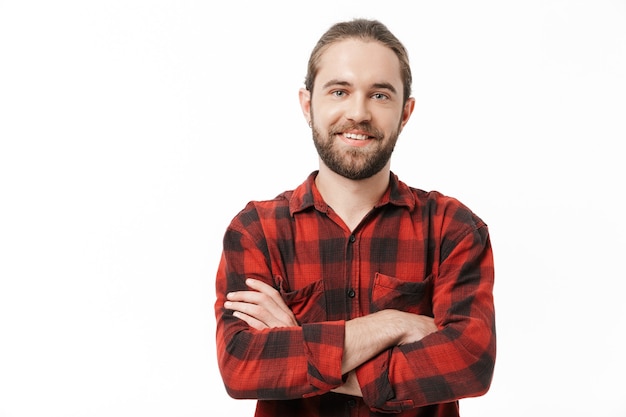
column 416, row 251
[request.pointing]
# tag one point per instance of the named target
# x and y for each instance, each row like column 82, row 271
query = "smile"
column 355, row 136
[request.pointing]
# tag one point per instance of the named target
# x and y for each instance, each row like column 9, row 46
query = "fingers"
column 416, row 327
column 253, row 312
column 269, row 291
column 252, row 322
column 261, row 308
column 253, row 309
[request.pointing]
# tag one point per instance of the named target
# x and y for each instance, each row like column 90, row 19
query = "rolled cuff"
column 324, row 345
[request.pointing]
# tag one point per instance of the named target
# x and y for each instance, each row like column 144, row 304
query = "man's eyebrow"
column 336, row 82
column 385, row 86
column 378, row 86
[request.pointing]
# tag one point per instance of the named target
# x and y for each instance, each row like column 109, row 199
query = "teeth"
column 355, row 136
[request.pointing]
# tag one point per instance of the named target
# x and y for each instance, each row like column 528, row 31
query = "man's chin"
column 355, row 174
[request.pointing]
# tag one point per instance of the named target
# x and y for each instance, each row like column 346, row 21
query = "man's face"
column 356, row 108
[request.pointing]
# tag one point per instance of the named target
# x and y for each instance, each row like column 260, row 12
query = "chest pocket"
column 409, row 296
column 307, row 303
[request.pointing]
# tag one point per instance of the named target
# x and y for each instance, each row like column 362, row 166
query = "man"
column 355, row 294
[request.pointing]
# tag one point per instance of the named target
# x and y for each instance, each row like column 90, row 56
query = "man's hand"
column 415, row 326
column 261, row 308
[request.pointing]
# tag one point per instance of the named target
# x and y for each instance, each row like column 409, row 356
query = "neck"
column 351, row 199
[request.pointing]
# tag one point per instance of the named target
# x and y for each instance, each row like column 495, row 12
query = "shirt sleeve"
column 458, row 360
column 269, row 364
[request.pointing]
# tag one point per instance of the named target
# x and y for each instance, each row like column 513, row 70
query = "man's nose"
column 358, row 109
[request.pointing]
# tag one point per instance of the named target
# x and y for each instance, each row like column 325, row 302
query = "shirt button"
column 351, row 293
column 352, row 238
column 351, row 402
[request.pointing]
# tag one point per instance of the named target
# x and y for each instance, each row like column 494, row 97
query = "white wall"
column 131, row 131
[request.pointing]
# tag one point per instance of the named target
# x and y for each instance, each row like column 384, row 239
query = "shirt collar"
column 307, row 195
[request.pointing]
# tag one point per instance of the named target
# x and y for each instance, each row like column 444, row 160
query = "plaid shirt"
column 416, row 251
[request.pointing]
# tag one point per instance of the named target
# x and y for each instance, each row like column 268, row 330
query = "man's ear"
column 409, row 106
column 305, row 103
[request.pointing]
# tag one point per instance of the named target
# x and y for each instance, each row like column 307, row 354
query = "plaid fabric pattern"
column 416, row 251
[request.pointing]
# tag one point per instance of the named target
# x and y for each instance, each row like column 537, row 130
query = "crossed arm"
column 365, row 337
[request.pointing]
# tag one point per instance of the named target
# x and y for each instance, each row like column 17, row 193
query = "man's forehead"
column 351, row 60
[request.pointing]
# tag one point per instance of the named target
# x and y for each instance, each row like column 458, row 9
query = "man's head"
column 357, row 98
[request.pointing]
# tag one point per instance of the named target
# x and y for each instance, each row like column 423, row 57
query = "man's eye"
column 380, row 96
column 339, row 93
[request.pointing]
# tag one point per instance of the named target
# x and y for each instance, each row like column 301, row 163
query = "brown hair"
column 361, row 29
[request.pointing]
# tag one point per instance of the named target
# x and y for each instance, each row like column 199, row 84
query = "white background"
column 132, row 131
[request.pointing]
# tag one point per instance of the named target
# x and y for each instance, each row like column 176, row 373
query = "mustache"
column 363, row 127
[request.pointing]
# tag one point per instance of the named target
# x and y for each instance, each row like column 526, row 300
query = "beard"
column 355, row 163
